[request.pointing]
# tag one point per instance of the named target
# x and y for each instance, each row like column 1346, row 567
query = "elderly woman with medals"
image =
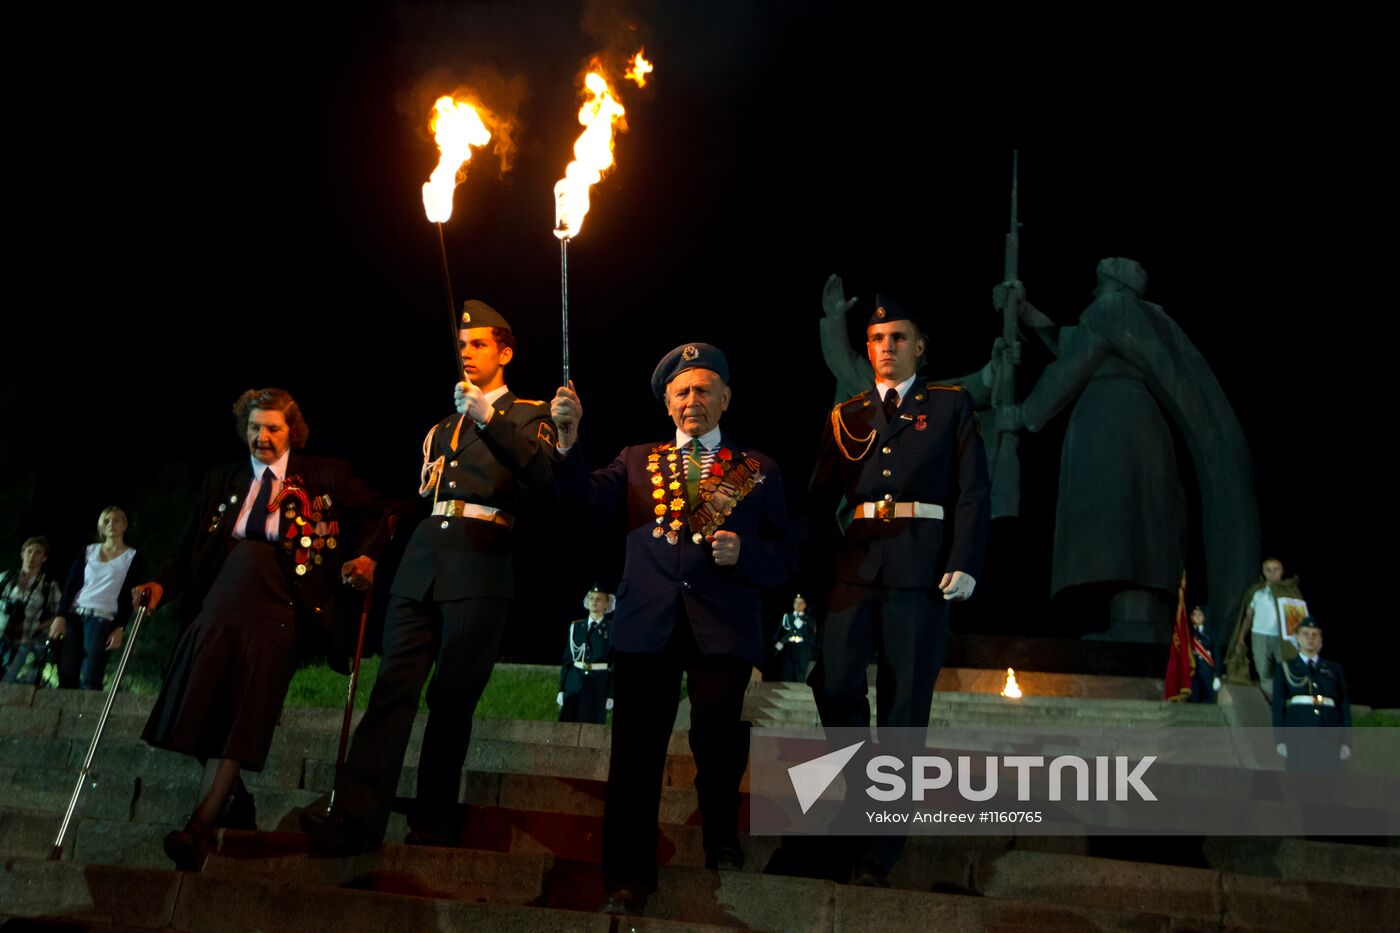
column 260, row 571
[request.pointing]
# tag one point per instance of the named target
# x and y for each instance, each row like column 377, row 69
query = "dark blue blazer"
column 722, row 603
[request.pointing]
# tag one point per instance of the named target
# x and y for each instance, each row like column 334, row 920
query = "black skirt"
column 228, row 677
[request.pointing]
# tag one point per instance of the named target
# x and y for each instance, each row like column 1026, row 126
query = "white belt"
column 795, row 639
column 456, row 508
column 1311, row 700
column 595, row 666
column 95, row 613
column 889, row 509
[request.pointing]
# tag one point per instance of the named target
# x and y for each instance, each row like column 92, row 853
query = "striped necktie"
column 698, row 461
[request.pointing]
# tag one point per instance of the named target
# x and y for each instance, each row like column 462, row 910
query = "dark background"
column 206, row 204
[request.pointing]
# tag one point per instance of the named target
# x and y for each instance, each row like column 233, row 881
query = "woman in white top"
column 96, row 603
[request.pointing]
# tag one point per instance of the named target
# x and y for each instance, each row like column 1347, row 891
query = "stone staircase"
column 531, row 843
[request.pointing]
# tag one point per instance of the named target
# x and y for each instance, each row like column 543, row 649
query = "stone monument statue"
column 1130, row 375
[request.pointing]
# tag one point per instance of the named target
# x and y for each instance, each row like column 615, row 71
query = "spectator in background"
column 30, row 599
column 1263, row 618
column 96, row 603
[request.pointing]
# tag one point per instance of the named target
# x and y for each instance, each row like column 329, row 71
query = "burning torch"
column 457, row 126
column 601, row 116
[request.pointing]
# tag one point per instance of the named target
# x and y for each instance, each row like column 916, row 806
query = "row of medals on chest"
column 306, row 537
column 672, row 485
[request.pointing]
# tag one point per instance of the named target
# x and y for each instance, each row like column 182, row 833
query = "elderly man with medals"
column 707, row 528
column 585, row 693
column 906, row 464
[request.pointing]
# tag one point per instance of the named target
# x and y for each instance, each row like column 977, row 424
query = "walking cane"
column 350, row 697
column 393, row 523
column 136, row 617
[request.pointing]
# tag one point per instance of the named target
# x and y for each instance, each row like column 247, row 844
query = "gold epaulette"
column 838, row 427
column 935, row 385
column 854, row 398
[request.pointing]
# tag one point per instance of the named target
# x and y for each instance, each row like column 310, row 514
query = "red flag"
column 1180, row 664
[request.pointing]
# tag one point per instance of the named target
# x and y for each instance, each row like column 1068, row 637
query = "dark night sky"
column 244, row 209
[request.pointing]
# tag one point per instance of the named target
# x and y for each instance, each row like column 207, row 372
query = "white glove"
column 777, row 646
column 1345, row 753
column 559, row 700
column 1215, row 684
column 957, row 585
column 609, row 704
column 1282, row 749
column 469, row 400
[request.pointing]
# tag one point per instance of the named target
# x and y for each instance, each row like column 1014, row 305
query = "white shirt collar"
column 882, row 388
column 709, row 440
column 278, row 466
column 495, row 394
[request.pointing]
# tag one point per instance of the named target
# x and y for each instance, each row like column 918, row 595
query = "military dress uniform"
column 586, row 674
column 909, row 493
column 1206, row 667
column 914, row 505
column 448, row 608
column 1312, row 715
column 794, row 646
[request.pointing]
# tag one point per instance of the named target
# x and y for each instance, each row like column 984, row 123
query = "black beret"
column 1308, row 622
column 479, row 314
column 888, row 310
column 688, row 356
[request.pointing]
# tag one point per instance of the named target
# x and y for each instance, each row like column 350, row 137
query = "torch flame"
column 593, row 154
column 639, row 70
column 1012, row 690
column 457, row 126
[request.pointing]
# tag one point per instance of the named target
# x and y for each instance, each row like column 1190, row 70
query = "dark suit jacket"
column 722, row 603
column 316, row 592
column 930, row 452
column 499, row 467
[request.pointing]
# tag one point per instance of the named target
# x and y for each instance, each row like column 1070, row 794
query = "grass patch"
column 1378, row 717
column 513, row 692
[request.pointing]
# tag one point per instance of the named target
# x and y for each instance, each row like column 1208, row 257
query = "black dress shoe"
column 332, row 834
column 188, row 848
column 426, row 837
column 869, row 874
column 725, row 858
column 629, row 900
column 240, row 811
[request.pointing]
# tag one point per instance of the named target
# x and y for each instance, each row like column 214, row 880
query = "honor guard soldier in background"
column 793, row 646
column 1312, row 715
column 449, row 601
column 1205, row 671
column 585, row 682
column 906, row 461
